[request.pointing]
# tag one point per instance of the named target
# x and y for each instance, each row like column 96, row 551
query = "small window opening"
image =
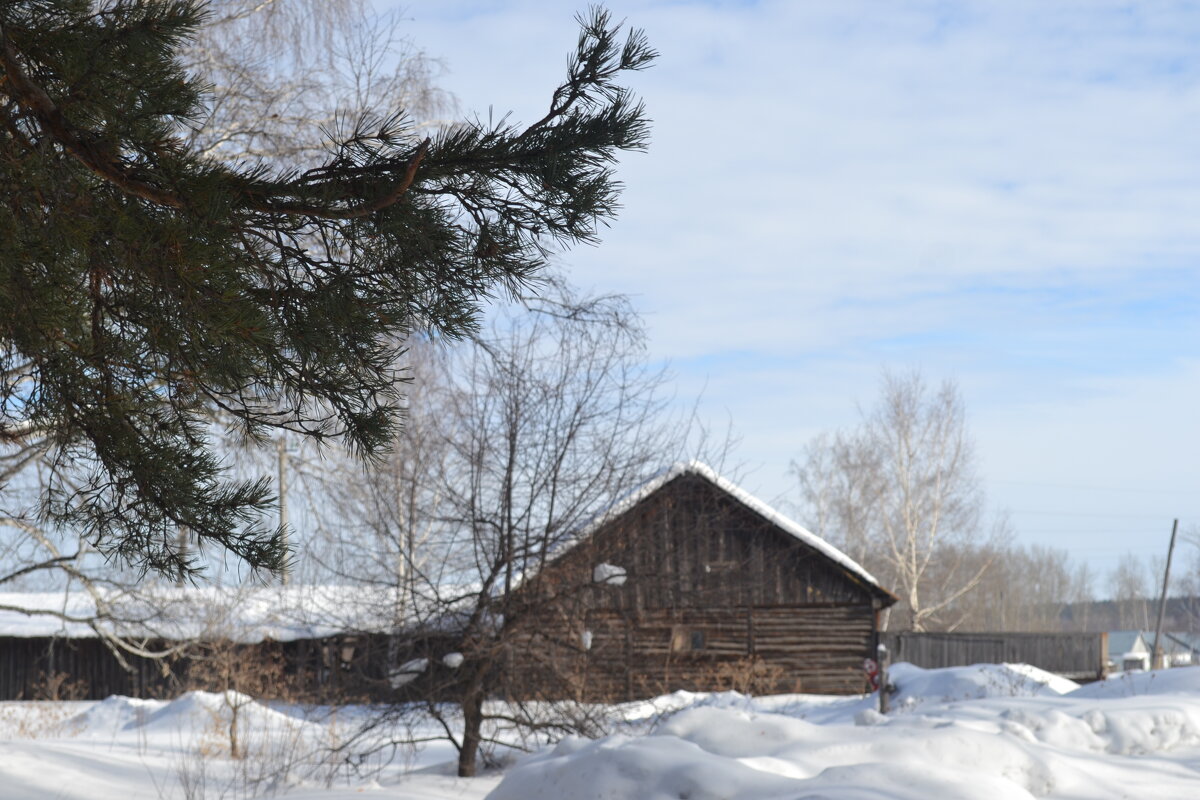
column 684, row 640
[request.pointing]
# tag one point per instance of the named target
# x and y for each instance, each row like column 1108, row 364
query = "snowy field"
column 988, row 732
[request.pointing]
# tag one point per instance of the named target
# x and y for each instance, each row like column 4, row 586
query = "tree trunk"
column 235, row 750
column 472, row 711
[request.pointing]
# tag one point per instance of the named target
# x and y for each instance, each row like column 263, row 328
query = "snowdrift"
column 988, row 732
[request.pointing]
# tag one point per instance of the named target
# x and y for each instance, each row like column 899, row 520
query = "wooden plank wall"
column 692, row 546
column 353, row 667
column 1074, row 655
column 78, row 669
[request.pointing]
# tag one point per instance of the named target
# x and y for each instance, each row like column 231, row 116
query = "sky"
column 1004, row 194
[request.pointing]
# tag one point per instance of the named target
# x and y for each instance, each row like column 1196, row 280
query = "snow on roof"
column 765, row 511
column 240, row 613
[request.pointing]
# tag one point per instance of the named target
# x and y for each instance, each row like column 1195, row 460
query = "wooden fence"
column 1078, row 656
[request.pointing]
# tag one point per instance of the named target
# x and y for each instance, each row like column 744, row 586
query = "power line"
column 1107, row 515
column 1090, row 487
column 1082, row 531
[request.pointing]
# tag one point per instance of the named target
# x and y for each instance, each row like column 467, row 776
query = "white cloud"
column 1006, row 192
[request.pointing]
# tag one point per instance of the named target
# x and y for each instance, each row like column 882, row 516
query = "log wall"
column 758, row 650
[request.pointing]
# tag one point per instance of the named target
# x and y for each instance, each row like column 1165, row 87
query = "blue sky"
column 1002, row 193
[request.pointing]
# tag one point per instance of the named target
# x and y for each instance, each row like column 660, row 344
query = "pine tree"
column 144, row 287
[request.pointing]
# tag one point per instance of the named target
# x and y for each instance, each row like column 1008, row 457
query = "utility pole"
column 181, row 544
column 281, row 482
column 1158, row 659
column 403, row 554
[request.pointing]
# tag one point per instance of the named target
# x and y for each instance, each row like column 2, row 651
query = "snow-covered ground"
column 992, row 732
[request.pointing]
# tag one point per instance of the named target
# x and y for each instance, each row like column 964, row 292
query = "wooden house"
column 1134, row 650
column 691, row 583
column 1129, row 650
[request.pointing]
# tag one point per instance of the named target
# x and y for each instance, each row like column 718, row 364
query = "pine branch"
column 89, row 150
column 155, row 285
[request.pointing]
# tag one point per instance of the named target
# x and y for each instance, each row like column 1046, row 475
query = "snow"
column 989, row 731
column 1129, row 684
column 994, row 732
column 129, row 749
column 917, row 686
column 610, row 574
column 407, row 672
column 244, row 614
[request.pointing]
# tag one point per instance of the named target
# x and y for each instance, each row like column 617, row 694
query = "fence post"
column 881, row 657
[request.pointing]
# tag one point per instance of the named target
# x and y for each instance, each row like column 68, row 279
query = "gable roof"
column 1181, row 642
column 1122, row 642
column 771, row 515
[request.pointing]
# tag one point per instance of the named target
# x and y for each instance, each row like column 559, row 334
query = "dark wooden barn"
column 691, row 583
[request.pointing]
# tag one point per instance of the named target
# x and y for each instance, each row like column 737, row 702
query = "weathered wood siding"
column 1080, row 656
column 350, row 667
column 45, row 668
column 715, row 597
column 692, row 546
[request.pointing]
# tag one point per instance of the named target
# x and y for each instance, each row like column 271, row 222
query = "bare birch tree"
column 284, row 71
column 382, row 526
column 900, row 493
column 1027, row 588
column 1132, row 593
column 1189, row 581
